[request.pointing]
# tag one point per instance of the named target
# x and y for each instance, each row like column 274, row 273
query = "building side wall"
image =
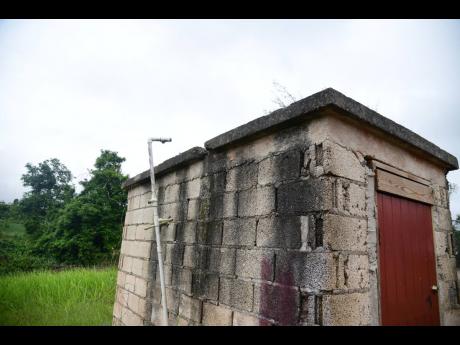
column 254, row 240
column 280, row 230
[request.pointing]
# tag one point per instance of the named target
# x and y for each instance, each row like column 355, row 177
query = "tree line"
column 61, row 227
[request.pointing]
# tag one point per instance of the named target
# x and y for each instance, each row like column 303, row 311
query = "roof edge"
column 185, row 158
column 313, row 104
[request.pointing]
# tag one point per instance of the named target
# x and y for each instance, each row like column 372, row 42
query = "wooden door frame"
column 376, row 165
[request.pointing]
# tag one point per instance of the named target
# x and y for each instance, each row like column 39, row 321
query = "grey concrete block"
column 230, row 205
column 351, row 198
column 209, row 232
column 353, row 271
column 236, row 293
column 171, row 193
column 284, row 166
column 193, row 189
column 305, row 196
column 442, row 220
column 255, row 263
column 239, row 232
column 190, row 256
column 278, row 232
column 342, row 162
column 278, row 302
column 344, row 233
column 172, row 298
column 193, row 209
column 205, row 285
column 182, row 279
column 216, row 206
column 167, row 270
column 345, row 310
column 186, row 232
column 174, row 253
column 243, row 319
column 217, row 182
column 313, row 271
column 214, row 315
column 242, row 177
column 307, row 315
column 167, row 232
column 257, row 201
column 190, row 308
column 222, row 260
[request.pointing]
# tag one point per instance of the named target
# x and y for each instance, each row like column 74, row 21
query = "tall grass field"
column 74, row 297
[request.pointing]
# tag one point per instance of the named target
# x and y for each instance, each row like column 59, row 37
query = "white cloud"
column 69, row 88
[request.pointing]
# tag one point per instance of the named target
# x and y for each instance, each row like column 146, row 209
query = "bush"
column 17, row 254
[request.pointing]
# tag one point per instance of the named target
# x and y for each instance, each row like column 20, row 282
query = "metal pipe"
column 156, row 224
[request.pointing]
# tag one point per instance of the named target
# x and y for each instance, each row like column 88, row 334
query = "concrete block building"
column 321, row 213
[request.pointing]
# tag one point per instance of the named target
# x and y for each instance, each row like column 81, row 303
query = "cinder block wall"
column 276, row 229
column 270, row 232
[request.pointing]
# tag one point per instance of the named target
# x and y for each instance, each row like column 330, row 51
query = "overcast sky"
column 71, row 88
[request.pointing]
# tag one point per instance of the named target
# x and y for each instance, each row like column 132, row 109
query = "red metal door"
column 407, row 262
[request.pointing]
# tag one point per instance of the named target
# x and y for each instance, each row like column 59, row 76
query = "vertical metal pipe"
column 156, row 224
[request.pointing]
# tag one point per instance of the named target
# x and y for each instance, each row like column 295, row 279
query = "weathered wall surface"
column 356, row 138
column 262, row 234
column 279, row 229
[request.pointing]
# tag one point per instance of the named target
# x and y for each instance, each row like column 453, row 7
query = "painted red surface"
column 407, row 262
column 277, row 302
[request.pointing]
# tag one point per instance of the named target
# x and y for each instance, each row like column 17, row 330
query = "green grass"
column 80, row 297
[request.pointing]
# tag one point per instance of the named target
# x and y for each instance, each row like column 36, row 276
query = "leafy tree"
column 88, row 229
column 51, row 188
column 4, row 210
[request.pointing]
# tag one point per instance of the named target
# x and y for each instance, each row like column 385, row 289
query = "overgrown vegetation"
column 52, row 226
column 71, row 297
column 457, row 239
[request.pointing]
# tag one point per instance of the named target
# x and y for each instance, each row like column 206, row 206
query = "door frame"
column 375, row 166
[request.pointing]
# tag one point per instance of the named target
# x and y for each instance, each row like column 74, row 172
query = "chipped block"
column 351, row 198
column 343, row 162
column 344, row 233
column 441, row 219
